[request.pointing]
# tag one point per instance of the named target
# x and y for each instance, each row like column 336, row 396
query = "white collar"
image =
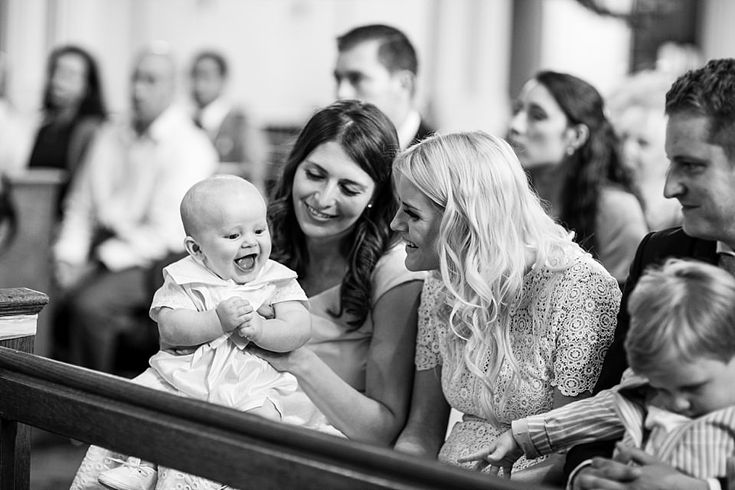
column 189, row 271
column 724, row 248
column 212, row 115
column 409, row 128
column 166, row 124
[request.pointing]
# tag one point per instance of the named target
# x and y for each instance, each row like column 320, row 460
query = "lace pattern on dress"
column 560, row 331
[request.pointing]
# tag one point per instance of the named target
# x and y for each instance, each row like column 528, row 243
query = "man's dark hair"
column 215, row 56
column 395, row 51
column 710, row 92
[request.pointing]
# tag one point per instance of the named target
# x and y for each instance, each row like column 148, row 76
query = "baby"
column 207, row 313
column 680, row 404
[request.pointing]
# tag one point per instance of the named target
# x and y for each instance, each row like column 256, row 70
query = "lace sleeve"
column 589, row 299
column 427, row 337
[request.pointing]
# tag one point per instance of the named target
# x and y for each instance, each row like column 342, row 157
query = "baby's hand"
column 252, row 327
column 501, row 453
column 232, row 312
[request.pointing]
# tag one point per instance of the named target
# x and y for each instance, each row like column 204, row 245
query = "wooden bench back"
column 241, row 450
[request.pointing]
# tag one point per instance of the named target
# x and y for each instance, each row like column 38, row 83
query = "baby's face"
column 694, row 388
column 236, row 244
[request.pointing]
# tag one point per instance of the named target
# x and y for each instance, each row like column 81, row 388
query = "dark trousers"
column 104, row 321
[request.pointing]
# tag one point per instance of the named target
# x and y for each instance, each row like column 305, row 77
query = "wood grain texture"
column 21, row 301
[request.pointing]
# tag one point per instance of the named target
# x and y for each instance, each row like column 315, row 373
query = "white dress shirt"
column 132, row 185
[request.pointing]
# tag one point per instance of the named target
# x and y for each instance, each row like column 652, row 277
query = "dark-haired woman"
column 330, row 222
column 73, row 109
column 570, row 152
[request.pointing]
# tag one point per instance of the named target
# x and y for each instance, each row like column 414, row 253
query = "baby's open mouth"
column 246, row 262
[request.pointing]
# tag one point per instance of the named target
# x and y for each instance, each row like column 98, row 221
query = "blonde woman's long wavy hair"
column 493, row 230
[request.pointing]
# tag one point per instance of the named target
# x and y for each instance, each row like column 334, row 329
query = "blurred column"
column 716, row 29
column 471, row 64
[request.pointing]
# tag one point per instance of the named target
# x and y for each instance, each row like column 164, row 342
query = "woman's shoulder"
column 581, row 267
column 615, row 199
column 390, row 270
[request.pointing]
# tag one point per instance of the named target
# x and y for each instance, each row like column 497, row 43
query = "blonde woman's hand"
column 501, row 453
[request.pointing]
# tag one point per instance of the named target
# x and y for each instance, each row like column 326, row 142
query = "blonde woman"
column 517, row 317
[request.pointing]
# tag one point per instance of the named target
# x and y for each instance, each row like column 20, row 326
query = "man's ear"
column 407, row 80
column 192, row 247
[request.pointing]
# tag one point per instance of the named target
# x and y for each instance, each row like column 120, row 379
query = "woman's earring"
column 370, row 205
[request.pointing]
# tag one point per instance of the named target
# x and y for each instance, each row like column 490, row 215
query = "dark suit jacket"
column 424, row 131
column 655, row 248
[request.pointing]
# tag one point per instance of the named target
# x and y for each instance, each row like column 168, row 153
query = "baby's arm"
column 288, row 330
column 181, row 327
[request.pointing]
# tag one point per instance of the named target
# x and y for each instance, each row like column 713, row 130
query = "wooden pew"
column 219, row 443
column 27, row 263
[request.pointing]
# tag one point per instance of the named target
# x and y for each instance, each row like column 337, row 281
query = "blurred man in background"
column 378, row 64
column 234, row 135
column 121, row 216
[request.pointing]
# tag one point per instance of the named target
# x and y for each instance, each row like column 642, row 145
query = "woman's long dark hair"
column 370, row 140
column 93, row 103
column 594, row 164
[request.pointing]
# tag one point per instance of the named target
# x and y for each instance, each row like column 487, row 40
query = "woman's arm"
column 427, row 421
column 377, row 415
column 289, row 330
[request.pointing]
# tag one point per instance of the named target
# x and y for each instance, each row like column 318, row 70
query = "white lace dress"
column 578, row 308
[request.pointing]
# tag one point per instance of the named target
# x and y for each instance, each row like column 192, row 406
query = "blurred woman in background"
column 73, row 109
column 570, row 152
column 637, row 112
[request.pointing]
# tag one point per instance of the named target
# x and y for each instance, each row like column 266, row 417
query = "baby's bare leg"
column 267, row 410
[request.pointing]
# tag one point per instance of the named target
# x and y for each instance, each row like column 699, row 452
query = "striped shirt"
column 699, row 447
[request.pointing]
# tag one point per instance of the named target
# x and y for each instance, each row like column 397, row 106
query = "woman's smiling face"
column 418, row 220
column 330, row 192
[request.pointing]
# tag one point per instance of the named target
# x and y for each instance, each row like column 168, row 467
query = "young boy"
column 680, row 404
column 207, row 313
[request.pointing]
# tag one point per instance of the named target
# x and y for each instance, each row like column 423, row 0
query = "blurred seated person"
column 637, row 113
column 234, row 135
column 73, row 110
column 378, row 64
column 120, row 218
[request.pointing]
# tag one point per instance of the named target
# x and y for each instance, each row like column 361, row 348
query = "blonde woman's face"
column 418, row 221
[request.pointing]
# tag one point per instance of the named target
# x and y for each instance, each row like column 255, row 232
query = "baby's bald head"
column 204, row 203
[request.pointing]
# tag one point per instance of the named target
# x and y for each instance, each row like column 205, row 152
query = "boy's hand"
column 232, row 312
column 252, row 327
column 501, row 453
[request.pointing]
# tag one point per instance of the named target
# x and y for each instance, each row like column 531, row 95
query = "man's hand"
column 634, row 469
column 233, row 312
column 501, row 453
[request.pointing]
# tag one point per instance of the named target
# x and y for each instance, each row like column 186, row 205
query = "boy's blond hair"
column 681, row 312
